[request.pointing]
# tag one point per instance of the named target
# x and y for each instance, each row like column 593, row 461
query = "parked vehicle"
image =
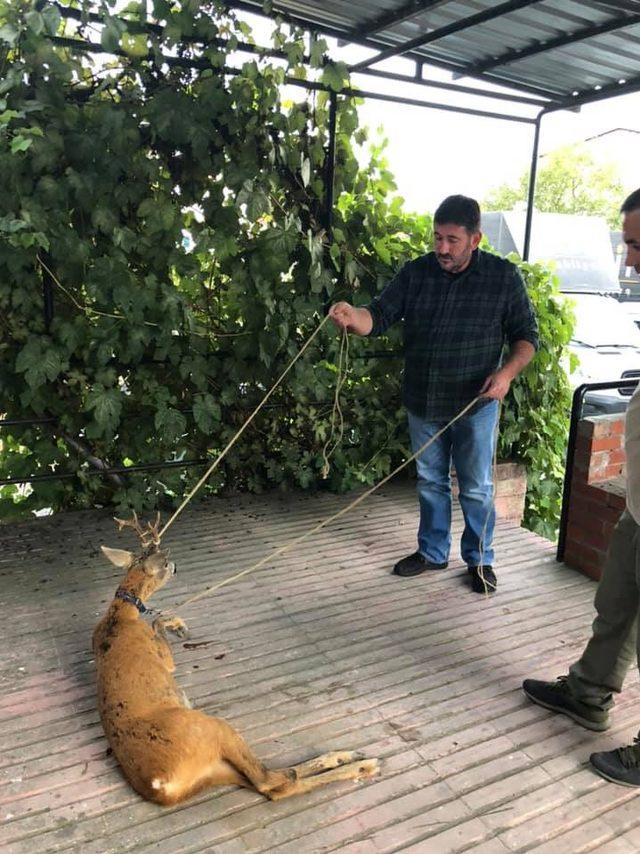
column 606, row 340
column 607, row 344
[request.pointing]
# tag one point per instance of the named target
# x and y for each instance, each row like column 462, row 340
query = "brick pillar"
column 597, row 492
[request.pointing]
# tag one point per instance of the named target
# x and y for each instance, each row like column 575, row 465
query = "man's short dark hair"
column 631, row 203
column 459, row 210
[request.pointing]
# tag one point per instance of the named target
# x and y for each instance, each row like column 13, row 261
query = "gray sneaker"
column 557, row 696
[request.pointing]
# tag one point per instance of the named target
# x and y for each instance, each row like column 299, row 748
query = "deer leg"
column 351, row 771
column 283, row 782
column 162, row 644
column 326, row 762
column 169, row 623
column 235, row 751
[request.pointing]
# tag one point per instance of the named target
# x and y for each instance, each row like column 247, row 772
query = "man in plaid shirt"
column 459, row 306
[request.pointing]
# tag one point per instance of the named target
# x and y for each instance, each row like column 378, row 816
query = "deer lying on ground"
column 167, row 750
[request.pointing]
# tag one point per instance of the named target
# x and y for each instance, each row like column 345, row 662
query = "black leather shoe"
column 483, row 579
column 415, row 564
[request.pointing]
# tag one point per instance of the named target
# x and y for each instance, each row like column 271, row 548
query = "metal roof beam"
column 448, row 30
column 390, row 19
column 453, row 87
column 559, row 41
column 589, row 96
column 310, row 85
column 617, row 5
column 376, row 43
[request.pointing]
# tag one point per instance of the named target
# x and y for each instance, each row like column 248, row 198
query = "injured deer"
column 167, row 750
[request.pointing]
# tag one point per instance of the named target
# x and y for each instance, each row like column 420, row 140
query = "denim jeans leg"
column 434, row 488
column 601, row 669
column 473, row 443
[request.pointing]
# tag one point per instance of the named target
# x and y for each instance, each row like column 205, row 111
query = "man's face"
column 454, row 245
column 631, row 236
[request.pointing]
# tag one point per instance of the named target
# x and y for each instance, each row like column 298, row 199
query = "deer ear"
column 118, row 557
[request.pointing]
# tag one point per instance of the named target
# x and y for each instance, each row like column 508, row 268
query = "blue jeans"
column 470, row 444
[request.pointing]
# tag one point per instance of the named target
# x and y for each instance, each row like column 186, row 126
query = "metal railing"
column 576, row 414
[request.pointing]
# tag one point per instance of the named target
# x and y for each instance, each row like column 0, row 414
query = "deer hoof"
column 175, row 625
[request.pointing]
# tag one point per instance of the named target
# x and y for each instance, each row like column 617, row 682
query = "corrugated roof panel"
column 480, row 48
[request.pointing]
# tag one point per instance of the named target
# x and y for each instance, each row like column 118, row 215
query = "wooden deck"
column 323, row 650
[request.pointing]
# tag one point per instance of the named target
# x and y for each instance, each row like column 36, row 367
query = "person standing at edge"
column 586, row 693
column 459, row 306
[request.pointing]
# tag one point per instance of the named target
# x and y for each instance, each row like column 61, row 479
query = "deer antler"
column 149, row 533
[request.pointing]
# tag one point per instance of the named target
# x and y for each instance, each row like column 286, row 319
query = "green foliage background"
column 178, row 214
column 570, row 180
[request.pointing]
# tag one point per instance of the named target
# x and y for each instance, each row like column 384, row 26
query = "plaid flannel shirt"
column 455, row 328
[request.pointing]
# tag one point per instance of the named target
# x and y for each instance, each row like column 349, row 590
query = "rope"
column 343, row 367
column 208, row 590
column 232, row 442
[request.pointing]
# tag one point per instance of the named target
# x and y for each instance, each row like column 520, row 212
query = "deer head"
column 150, row 568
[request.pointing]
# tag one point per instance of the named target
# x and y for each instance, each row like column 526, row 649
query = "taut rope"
column 235, row 438
column 208, row 590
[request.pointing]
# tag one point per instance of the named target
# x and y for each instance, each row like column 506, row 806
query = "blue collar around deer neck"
column 132, row 600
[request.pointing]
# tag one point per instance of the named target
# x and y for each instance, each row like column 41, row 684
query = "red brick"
column 617, row 425
column 606, row 443
column 601, row 427
column 618, row 456
column 612, row 470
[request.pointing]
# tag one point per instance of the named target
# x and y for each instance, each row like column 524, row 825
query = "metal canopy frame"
column 450, row 29
column 621, row 14
column 374, row 33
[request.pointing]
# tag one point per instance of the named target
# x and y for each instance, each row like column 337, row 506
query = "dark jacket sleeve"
column 389, row 307
column 520, row 322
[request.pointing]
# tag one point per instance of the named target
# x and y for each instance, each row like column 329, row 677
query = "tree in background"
column 570, row 180
column 176, row 208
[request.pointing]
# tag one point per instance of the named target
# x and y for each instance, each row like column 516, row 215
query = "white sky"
column 434, row 153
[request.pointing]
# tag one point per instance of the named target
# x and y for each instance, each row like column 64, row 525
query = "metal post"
column 329, row 180
column 532, row 188
column 330, row 166
column 576, row 412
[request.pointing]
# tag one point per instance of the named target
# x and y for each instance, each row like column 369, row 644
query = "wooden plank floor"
column 323, row 650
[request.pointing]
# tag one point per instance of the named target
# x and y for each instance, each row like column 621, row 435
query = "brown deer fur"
column 166, row 750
